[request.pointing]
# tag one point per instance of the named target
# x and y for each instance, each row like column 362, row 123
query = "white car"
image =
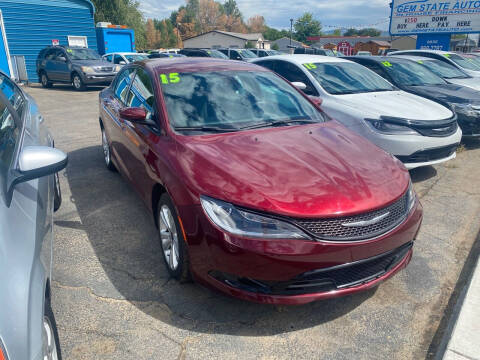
column 416, row 130
column 450, row 73
column 123, row 58
column 457, row 60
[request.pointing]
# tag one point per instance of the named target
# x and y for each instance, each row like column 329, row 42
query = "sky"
column 331, row 13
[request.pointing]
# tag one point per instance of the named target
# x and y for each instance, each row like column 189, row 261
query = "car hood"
column 472, row 83
column 316, row 170
column 448, row 93
column 92, row 63
column 396, row 104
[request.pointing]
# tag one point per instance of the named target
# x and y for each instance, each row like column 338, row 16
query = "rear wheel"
column 57, row 193
column 107, row 155
column 78, row 83
column 174, row 248
column 46, row 83
column 51, row 343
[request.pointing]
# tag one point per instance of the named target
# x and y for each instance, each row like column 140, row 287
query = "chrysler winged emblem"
column 364, row 223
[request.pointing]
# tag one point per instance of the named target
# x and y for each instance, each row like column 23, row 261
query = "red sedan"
column 254, row 191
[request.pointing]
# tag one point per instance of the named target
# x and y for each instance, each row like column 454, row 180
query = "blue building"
column 31, row 25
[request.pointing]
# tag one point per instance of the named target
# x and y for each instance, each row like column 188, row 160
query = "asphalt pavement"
column 113, row 299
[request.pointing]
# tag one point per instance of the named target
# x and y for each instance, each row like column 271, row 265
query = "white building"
column 225, row 39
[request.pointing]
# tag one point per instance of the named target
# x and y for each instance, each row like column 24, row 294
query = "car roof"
column 300, row 59
column 412, row 57
column 380, row 59
column 124, row 53
column 440, row 52
column 193, row 64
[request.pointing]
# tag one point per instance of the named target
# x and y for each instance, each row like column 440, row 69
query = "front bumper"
column 98, row 78
column 219, row 260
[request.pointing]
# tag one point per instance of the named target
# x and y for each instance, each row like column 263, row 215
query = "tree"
column 337, row 32
column 230, row 8
column 307, row 26
column 249, row 45
column 210, row 16
column 274, row 34
column 256, row 24
column 152, row 35
column 363, row 32
column 275, row 47
column 122, row 12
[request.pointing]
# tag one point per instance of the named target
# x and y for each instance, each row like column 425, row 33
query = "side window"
column 117, row 59
column 234, row 55
column 141, row 93
column 123, row 82
column 109, row 58
column 13, row 94
column 267, row 64
column 293, row 74
column 51, row 54
column 60, row 53
column 375, row 68
column 9, row 130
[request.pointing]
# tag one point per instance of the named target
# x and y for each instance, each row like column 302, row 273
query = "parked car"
column 364, row 53
column 263, row 52
column 313, row 51
column 238, row 54
column 310, row 211
column 418, row 131
column 450, row 73
column 123, row 58
column 473, row 58
column 190, row 52
column 74, row 65
column 385, row 52
column 416, row 79
column 156, row 55
column 446, row 56
column 30, row 193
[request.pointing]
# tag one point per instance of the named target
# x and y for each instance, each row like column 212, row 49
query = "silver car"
column 29, row 193
column 416, row 130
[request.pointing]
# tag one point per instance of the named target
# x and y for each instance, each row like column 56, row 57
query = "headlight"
column 412, row 197
column 388, row 128
column 87, row 69
column 118, row 68
column 465, row 109
column 243, row 223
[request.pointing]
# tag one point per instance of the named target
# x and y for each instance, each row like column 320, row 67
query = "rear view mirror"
column 122, row 63
column 134, row 114
column 299, row 85
column 35, row 162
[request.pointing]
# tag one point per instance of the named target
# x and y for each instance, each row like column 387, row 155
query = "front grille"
column 338, row 229
column 429, row 155
column 323, row 280
column 440, row 131
column 105, row 69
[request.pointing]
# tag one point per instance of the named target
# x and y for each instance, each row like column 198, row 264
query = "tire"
column 46, row 83
column 107, row 153
column 78, row 83
column 51, row 342
column 172, row 240
column 57, row 194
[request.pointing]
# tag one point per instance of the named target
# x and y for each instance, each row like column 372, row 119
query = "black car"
column 313, row 51
column 74, row 65
column 238, row 54
column 265, row 53
column 160, row 55
column 191, row 52
column 417, row 79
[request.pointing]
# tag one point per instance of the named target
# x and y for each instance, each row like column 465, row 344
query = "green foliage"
column 230, row 8
column 275, row 47
column 363, row 32
column 249, row 45
column 307, row 26
column 122, row 12
column 337, row 32
column 274, row 34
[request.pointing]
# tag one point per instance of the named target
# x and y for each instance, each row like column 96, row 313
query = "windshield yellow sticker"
column 447, row 55
column 310, row 66
column 387, row 63
column 171, row 78
column 70, row 51
column 420, row 61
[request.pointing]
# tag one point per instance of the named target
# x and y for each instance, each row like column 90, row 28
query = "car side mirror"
column 134, row 114
column 122, row 63
column 62, row 58
column 299, row 85
column 35, row 162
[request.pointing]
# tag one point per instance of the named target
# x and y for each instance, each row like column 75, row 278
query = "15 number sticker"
column 310, row 66
column 387, row 63
column 172, row 78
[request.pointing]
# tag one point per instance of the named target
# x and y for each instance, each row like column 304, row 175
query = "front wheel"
column 46, row 83
column 107, row 154
column 51, row 343
column 57, row 193
column 174, row 248
column 78, row 83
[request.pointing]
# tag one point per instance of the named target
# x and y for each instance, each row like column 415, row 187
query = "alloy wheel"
column 169, row 237
column 106, row 148
column 77, row 82
column 44, row 80
column 49, row 344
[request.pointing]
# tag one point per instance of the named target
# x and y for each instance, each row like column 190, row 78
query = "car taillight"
column 3, row 353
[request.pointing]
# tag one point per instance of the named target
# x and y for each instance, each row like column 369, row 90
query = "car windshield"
column 341, row 78
column 247, row 54
column 443, row 69
column 472, row 58
column 217, row 54
column 410, row 73
column 82, row 54
column 273, row 52
column 463, row 62
column 203, row 101
column 136, row 57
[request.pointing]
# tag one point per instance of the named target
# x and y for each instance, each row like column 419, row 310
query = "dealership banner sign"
column 434, row 16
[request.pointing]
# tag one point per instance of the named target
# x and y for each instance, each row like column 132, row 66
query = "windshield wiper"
column 278, row 123
column 204, row 129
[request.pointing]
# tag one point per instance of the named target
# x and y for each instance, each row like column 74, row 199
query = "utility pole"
column 291, row 31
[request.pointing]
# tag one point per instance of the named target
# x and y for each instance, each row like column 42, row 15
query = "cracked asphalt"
column 113, row 299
